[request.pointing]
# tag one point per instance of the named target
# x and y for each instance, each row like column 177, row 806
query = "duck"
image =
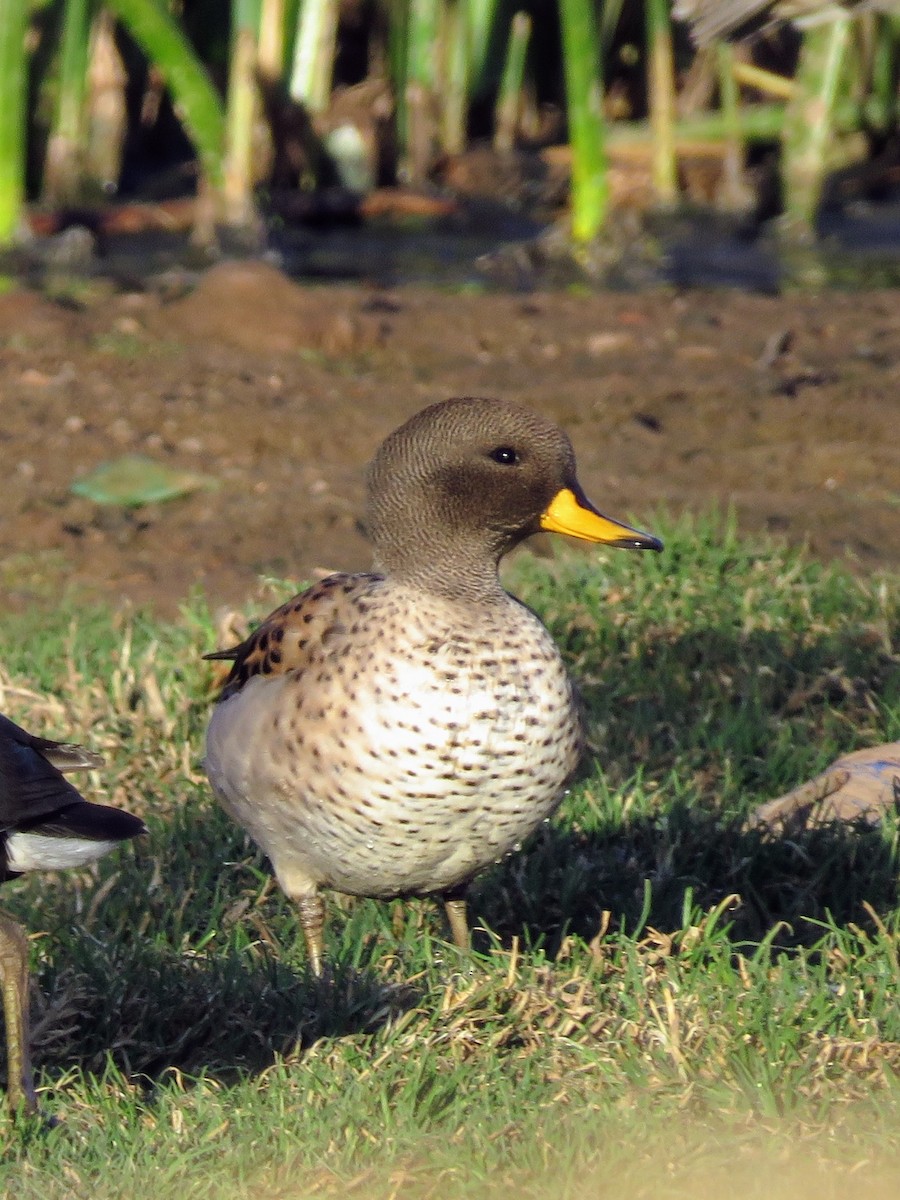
column 45, row 825
column 392, row 733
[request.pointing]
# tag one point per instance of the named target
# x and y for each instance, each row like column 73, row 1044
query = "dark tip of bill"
column 643, row 541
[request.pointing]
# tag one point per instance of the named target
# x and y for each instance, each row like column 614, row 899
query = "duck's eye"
column 505, row 455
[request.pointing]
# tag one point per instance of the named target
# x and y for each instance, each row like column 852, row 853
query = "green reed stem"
column 883, row 111
column 481, row 19
column 66, row 144
column 509, row 99
column 661, row 88
column 734, row 195
column 13, row 101
column 398, row 65
column 811, row 119
column 196, row 101
column 423, row 39
column 609, row 22
column 240, row 114
column 584, row 109
column 311, row 73
column 455, row 90
column 272, row 30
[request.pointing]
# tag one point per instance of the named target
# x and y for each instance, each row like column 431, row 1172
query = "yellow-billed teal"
column 45, row 825
column 393, row 733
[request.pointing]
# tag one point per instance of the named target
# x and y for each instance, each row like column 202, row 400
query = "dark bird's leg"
column 312, row 920
column 455, row 907
column 14, row 982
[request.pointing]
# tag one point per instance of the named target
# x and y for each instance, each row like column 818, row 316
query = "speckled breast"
column 407, row 757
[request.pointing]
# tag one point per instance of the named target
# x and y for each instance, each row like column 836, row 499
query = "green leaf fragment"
column 134, row 480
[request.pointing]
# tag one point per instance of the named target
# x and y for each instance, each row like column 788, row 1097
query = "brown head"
column 463, row 481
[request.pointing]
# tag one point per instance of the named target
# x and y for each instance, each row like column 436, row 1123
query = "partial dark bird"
column 45, row 825
column 393, row 733
column 710, row 20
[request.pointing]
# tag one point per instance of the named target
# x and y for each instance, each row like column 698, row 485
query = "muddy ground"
column 787, row 408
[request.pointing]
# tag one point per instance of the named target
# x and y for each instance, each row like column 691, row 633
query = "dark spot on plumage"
column 263, row 641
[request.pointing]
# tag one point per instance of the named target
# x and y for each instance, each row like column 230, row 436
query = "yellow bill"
column 574, row 515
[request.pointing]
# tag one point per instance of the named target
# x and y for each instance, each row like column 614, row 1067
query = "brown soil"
column 787, row 408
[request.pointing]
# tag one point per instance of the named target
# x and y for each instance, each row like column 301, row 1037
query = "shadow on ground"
column 194, row 958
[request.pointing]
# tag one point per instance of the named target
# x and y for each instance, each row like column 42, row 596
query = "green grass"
column 659, row 1002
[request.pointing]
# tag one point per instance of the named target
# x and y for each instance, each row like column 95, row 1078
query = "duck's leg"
column 304, row 892
column 14, row 982
column 312, row 921
column 455, row 908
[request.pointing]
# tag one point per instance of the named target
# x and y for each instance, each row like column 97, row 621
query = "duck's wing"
column 31, row 781
column 300, row 632
column 84, row 821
